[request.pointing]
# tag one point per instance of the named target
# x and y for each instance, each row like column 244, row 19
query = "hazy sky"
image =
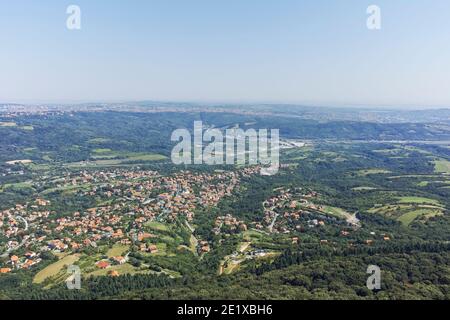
column 312, row 52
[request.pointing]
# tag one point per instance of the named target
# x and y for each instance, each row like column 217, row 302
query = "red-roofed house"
column 102, row 264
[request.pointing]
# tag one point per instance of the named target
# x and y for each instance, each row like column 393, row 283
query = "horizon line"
column 209, row 102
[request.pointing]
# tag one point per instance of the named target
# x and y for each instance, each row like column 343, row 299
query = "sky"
column 316, row 52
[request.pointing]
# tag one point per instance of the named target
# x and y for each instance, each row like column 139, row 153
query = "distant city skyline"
column 224, row 103
column 314, row 53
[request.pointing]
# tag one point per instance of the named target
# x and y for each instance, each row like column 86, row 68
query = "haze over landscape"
column 253, row 150
column 296, row 51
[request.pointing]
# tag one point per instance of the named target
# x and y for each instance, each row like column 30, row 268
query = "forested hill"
column 58, row 134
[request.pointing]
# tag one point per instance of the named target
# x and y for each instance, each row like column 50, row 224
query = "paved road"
column 273, row 222
column 21, row 244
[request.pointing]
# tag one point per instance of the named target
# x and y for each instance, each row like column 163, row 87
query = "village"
column 132, row 200
column 136, row 208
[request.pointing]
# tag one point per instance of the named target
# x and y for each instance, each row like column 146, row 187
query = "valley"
column 119, row 209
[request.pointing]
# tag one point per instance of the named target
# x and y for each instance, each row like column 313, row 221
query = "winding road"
column 4, row 255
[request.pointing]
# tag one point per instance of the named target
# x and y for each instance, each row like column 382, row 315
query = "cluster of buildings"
column 228, row 224
column 106, row 263
column 203, row 247
column 287, row 205
column 134, row 198
column 14, row 225
column 26, row 261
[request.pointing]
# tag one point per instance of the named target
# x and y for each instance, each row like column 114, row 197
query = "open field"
column 92, row 164
column 145, row 157
column 67, row 189
column 55, row 268
column 8, row 124
column 238, row 260
column 16, row 186
column 253, row 235
column 15, row 125
column 418, row 200
column 117, row 250
column 408, row 209
column 122, row 269
column 193, row 243
column 105, row 158
column 244, row 246
column 389, row 151
column 230, row 266
column 372, row 171
column 407, row 218
column 364, row 189
column 338, row 212
column 442, row 166
column 98, row 140
column 416, row 149
column 297, row 154
column 102, row 151
column 407, row 176
column 157, row 226
column 14, row 162
column 162, row 249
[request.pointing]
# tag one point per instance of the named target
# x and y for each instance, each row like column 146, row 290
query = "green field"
column 8, row 124
column 92, row 164
column 125, row 268
column 338, row 212
column 109, row 158
column 145, row 157
column 193, row 243
column 55, row 268
column 389, row 151
column 14, row 125
column 372, row 171
column 117, row 250
column 255, row 236
column 67, row 189
column 157, row 226
column 101, row 151
column 364, row 189
column 38, row 167
column 411, row 148
column 297, row 153
column 162, row 249
column 408, row 209
column 407, row 218
column 442, row 166
column 418, row 200
column 16, row 186
column 98, row 140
